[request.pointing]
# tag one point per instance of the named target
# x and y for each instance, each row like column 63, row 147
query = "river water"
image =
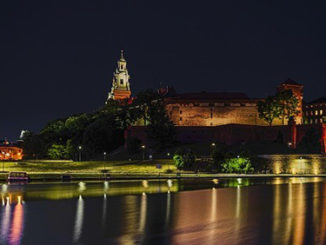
column 208, row 211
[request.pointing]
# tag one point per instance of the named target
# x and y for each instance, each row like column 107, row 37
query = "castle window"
column 180, row 112
column 180, row 118
column 121, row 67
column 211, row 114
column 121, row 81
column 316, row 112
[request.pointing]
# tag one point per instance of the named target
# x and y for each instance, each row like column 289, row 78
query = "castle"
column 222, row 116
column 206, row 108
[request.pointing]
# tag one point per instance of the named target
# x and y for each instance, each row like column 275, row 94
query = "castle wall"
column 215, row 114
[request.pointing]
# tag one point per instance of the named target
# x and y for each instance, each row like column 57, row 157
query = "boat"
column 18, row 177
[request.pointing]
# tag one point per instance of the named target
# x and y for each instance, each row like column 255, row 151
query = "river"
column 205, row 211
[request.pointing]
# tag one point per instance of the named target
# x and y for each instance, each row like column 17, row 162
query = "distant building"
column 315, row 111
column 214, row 109
column 120, row 89
column 10, row 151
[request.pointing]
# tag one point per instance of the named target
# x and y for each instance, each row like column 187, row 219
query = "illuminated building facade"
column 214, row 109
column 10, row 151
column 120, row 83
column 314, row 112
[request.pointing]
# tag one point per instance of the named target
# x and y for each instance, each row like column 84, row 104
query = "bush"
column 184, row 159
column 57, row 152
column 237, row 165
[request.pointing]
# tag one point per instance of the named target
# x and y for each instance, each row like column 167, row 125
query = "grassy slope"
column 43, row 166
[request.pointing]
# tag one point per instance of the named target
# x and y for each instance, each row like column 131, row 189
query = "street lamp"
column 80, row 148
column 168, row 154
column 143, row 147
column 104, row 156
column 212, row 147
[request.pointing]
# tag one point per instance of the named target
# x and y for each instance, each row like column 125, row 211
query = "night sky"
column 57, row 57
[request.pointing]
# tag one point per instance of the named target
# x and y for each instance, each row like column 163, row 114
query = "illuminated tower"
column 120, row 83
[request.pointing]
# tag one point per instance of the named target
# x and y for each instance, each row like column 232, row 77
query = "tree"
column 184, row 159
column 102, row 135
column 160, row 128
column 237, row 165
column 33, row 145
column 288, row 104
column 57, row 152
column 269, row 109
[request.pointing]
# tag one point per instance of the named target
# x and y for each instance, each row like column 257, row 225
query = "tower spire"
column 121, row 56
column 120, row 82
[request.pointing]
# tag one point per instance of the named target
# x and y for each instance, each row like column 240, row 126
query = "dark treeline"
column 103, row 130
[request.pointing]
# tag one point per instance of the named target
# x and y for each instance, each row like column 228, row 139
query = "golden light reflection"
column 143, row 212
column 79, row 219
column 17, row 226
column 289, row 212
column 299, row 224
column 213, row 216
column 323, row 218
column 277, row 209
column 168, row 209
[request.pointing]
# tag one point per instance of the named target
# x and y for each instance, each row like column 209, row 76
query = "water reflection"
column 78, row 219
column 5, row 223
column 12, row 222
column 287, row 211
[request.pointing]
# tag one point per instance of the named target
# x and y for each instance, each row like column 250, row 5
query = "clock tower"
column 120, row 83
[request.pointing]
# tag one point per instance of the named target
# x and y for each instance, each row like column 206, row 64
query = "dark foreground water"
column 224, row 211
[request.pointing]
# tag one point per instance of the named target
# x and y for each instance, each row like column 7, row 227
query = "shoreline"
column 136, row 176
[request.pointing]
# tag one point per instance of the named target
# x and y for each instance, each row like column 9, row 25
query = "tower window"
column 121, row 67
column 121, row 81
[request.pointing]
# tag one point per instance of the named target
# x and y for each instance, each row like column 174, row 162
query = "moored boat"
column 18, row 177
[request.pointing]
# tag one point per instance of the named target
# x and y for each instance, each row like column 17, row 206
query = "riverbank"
column 49, row 170
column 150, row 176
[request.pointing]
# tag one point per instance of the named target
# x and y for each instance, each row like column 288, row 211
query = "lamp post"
column 212, row 148
column 168, row 155
column 143, row 147
column 80, row 149
column 104, row 156
column 3, row 161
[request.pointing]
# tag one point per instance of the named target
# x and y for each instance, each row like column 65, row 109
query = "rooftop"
column 209, row 96
column 290, row 81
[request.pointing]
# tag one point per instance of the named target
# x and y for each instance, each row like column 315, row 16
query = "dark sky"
column 57, row 57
